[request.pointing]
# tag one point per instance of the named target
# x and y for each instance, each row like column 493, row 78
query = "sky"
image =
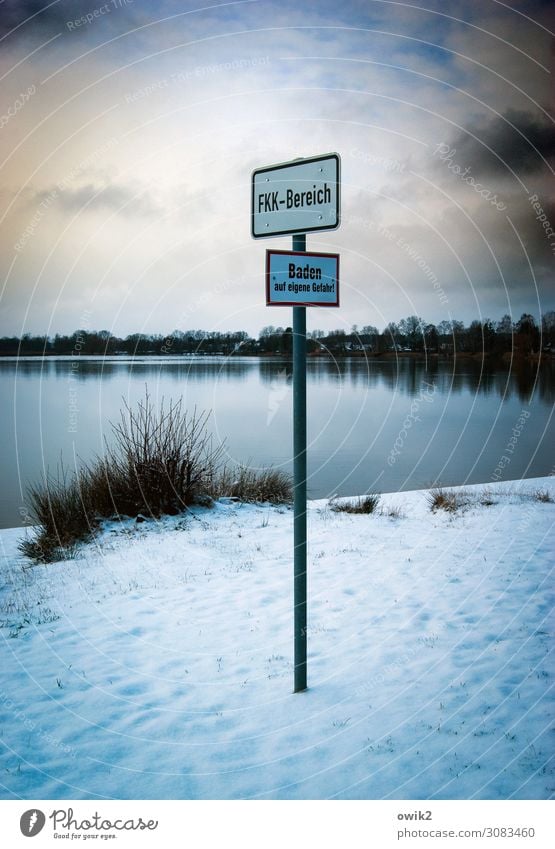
column 129, row 131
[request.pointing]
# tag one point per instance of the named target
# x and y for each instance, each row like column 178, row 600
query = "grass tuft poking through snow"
column 449, row 500
column 363, row 504
column 542, row 495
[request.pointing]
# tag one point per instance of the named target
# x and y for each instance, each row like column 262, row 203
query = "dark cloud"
column 20, row 18
column 519, row 147
column 534, row 226
column 42, row 19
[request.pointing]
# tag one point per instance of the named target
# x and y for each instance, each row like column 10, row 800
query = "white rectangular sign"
column 298, row 278
column 296, row 197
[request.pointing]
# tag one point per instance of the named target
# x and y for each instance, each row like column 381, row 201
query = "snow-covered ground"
column 158, row 664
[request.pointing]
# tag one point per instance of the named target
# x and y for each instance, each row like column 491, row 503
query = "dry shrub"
column 254, row 485
column 61, row 509
column 446, row 499
column 160, row 461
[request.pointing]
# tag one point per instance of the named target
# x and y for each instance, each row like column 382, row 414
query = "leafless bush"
column 160, row 460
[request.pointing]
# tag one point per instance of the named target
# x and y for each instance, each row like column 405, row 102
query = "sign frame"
column 297, row 163
column 301, row 303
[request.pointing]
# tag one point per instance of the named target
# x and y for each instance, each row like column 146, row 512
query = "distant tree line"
column 103, row 342
column 413, row 334
column 410, row 334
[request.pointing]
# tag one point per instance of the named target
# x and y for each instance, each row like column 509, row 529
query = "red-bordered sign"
column 299, row 278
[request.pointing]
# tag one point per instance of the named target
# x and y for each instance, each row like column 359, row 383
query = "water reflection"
column 518, row 379
column 357, row 429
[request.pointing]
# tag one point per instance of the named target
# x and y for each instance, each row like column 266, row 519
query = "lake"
column 376, row 425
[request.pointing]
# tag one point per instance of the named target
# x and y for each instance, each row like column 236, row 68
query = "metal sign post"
column 299, row 485
column 294, row 198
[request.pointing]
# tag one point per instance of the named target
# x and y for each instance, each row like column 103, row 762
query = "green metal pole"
column 299, row 484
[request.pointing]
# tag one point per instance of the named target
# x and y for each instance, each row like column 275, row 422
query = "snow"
column 158, row 663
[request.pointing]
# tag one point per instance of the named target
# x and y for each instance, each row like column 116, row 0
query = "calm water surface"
column 377, row 425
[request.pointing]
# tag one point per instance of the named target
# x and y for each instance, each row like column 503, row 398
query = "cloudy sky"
column 129, row 131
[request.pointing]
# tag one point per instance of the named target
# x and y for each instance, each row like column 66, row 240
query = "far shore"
column 505, row 358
